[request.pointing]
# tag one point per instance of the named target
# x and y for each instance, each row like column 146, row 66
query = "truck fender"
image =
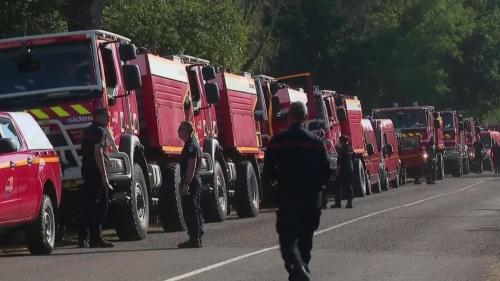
column 131, row 145
column 212, row 147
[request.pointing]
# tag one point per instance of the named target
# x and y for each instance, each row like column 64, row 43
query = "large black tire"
column 488, row 164
column 132, row 216
column 368, row 184
column 403, row 176
column 384, row 183
column 170, row 200
column 214, row 201
column 377, row 188
column 458, row 170
column 359, row 181
column 440, row 167
column 42, row 233
column 466, row 165
column 395, row 183
column 247, row 191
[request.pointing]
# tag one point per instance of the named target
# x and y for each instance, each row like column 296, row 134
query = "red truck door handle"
column 12, row 164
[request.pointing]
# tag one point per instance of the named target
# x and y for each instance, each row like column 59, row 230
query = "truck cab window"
column 7, row 131
column 109, row 70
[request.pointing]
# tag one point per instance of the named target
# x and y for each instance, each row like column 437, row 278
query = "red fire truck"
column 61, row 78
column 389, row 146
column 455, row 160
column 420, row 126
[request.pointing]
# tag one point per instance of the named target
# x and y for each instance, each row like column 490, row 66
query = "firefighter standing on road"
column 298, row 161
column 93, row 195
column 191, row 185
column 344, row 173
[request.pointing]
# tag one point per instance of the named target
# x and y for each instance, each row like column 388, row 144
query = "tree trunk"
column 83, row 14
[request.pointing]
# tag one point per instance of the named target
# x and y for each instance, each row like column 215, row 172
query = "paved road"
column 449, row 232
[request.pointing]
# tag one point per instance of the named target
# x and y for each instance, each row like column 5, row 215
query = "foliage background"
column 442, row 52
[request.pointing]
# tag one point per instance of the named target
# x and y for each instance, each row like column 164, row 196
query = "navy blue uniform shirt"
column 298, row 161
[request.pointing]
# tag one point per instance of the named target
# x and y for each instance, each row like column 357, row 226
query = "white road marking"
column 238, row 258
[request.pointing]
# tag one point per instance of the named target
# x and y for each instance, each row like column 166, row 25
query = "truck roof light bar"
column 193, row 60
column 89, row 33
column 264, row 78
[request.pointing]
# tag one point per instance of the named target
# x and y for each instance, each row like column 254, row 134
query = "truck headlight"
column 425, row 155
column 115, row 166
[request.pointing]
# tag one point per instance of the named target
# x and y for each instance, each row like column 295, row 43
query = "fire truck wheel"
column 385, row 184
column 458, row 171
column 132, row 216
column 466, row 166
column 170, row 200
column 377, row 188
column 488, row 164
column 214, row 202
column 440, row 167
column 403, row 176
column 396, row 181
column 368, row 185
column 42, row 234
column 247, row 191
column 359, row 182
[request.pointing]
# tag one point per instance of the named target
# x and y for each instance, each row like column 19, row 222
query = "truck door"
column 9, row 162
column 121, row 120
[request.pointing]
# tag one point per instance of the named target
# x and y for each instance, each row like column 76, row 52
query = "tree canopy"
column 441, row 52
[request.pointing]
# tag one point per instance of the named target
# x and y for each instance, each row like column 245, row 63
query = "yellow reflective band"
column 60, row 111
column 172, row 148
column 80, row 109
column 39, row 114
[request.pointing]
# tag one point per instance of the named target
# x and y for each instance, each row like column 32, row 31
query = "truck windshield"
column 448, row 121
column 45, row 67
column 486, row 140
column 412, row 119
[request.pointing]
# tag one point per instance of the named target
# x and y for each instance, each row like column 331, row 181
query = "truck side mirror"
column 208, row 73
column 7, row 146
column 389, row 149
column 341, row 114
column 437, row 124
column 127, row 52
column 370, row 149
column 132, row 77
column 276, row 105
column 258, row 115
column 274, row 88
column 212, row 93
column 461, row 126
column 339, row 101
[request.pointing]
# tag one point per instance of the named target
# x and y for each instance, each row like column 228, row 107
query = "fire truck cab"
column 455, row 159
column 421, row 131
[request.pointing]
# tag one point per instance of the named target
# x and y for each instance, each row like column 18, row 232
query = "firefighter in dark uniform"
column 93, row 194
column 298, row 161
column 344, row 173
column 191, row 186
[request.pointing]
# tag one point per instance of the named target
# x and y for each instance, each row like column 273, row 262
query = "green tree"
column 213, row 30
column 28, row 17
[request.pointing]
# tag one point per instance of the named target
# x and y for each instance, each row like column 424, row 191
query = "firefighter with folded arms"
column 298, row 161
column 344, row 173
column 191, row 185
column 93, row 194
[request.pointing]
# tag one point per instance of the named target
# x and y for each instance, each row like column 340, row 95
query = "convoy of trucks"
column 59, row 79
